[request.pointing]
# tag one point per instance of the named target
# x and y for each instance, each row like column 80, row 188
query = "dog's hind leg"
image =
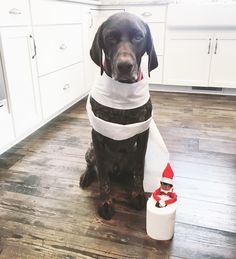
column 90, row 173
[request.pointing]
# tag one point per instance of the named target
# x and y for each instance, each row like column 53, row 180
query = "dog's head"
column 124, row 38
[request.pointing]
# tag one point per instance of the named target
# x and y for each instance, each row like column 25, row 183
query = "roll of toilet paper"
column 160, row 222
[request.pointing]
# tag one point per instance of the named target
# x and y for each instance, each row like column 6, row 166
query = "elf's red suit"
column 170, row 193
column 167, row 184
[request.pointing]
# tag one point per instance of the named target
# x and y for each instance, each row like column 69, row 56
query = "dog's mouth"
column 126, row 76
column 128, row 80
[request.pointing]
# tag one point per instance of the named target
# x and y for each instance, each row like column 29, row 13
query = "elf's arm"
column 156, row 194
column 173, row 198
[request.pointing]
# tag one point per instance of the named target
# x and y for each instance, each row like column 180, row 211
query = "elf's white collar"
column 114, row 94
column 170, row 190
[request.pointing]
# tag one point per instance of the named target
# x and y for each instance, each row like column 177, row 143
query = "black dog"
column 124, row 39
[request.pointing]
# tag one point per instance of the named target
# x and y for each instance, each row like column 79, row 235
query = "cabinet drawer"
column 55, row 12
column 14, row 12
column 61, row 88
column 150, row 13
column 58, row 47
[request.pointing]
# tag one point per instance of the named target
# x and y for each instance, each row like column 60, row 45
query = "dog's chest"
column 119, row 116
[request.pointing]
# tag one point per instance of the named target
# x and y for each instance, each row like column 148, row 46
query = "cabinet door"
column 223, row 60
column 20, row 75
column 187, row 58
column 6, row 128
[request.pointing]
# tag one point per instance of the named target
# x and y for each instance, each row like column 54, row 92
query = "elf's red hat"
column 167, row 175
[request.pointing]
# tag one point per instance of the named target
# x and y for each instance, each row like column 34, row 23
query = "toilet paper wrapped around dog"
column 119, row 95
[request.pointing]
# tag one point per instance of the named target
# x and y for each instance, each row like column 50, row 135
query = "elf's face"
column 166, row 186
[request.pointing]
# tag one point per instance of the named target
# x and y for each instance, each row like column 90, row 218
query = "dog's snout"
column 125, row 66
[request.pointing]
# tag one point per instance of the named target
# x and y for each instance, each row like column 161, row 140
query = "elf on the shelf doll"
column 164, row 195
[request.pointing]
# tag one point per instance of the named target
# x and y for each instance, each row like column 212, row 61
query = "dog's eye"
column 138, row 36
column 111, row 38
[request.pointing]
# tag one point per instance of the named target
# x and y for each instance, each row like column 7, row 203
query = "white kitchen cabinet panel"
column 223, row 65
column 61, row 88
column 14, row 12
column 187, row 58
column 20, row 68
column 58, row 47
column 6, row 128
column 55, row 12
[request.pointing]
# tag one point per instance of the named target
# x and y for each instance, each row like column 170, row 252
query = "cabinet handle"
column 146, row 14
column 66, row 86
column 63, row 47
column 4, row 103
column 91, row 20
column 216, row 46
column 209, row 46
column 35, row 51
column 14, row 11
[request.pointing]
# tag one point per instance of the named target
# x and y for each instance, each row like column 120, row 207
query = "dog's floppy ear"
column 96, row 49
column 152, row 56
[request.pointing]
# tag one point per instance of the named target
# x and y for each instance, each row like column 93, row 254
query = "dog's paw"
column 106, row 210
column 86, row 179
column 138, row 200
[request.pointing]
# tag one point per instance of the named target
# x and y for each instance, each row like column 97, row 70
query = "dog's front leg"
column 105, row 207
column 138, row 199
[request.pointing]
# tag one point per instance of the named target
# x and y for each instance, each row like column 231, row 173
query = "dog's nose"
column 124, row 66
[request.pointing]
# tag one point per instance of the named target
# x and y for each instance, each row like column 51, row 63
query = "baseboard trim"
column 192, row 89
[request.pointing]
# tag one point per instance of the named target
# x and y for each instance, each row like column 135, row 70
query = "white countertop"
column 89, row 2
column 122, row 2
column 141, row 2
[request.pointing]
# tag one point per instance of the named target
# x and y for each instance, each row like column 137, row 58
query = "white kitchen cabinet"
column 58, row 47
column 200, row 58
column 187, row 58
column 61, row 88
column 223, row 65
column 6, row 128
column 17, row 48
column 55, row 12
column 59, row 38
column 14, row 13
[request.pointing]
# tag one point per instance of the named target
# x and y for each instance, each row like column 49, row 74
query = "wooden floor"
column 45, row 214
